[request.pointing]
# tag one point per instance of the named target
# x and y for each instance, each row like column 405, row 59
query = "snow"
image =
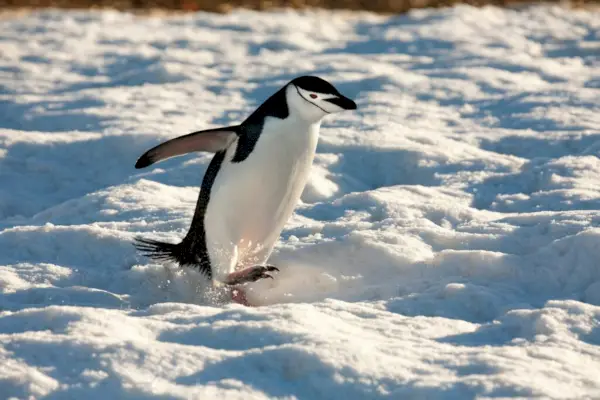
column 446, row 245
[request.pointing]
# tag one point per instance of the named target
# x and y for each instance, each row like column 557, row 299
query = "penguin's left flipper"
column 251, row 274
column 210, row 140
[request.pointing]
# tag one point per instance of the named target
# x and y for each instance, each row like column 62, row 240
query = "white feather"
column 251, row 201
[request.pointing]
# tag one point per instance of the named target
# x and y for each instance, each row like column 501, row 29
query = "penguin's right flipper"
column 210, row 140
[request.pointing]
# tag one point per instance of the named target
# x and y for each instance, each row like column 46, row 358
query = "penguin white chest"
column 251, row 200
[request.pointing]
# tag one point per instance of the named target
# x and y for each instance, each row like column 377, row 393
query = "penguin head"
column 313, row 98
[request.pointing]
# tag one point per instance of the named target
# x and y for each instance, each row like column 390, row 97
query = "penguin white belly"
column 250, row 201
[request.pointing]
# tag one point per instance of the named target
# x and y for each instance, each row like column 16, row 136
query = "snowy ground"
column 447, row 245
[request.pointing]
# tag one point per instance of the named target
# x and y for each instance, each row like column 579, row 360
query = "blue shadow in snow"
column 35, row 176
column 212, row 332
column 66, row 362
column 294, row 372
column 123, row 70
column 52, row 116
column 531, row 147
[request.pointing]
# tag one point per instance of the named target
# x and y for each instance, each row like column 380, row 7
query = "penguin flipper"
column 209, row 140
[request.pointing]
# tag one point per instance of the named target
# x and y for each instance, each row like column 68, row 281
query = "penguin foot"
column 238, row 295
column 251, row 274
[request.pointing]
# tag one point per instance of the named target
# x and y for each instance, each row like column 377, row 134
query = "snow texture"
column 447, row 244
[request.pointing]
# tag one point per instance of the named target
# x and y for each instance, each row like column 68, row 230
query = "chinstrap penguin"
column 252, row 184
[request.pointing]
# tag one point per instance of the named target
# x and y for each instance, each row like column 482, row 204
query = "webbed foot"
column 251, row 274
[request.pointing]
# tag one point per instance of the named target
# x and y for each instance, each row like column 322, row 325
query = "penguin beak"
column 343, row 102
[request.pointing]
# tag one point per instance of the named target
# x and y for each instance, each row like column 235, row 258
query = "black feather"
column 181, row 253
column 144, row 161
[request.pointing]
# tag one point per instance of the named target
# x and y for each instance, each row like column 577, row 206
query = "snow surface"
column 446, row 246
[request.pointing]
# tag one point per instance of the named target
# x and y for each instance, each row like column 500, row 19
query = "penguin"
column 251, row 186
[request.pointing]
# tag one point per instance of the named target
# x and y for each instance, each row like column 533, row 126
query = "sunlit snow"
column 447, row 244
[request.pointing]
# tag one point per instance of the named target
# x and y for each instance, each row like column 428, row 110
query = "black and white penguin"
column 252, row 184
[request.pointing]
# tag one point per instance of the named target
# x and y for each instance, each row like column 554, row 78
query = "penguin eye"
column 314, row 96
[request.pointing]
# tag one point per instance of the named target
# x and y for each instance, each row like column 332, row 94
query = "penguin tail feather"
column 160, row 251
column 182, row 253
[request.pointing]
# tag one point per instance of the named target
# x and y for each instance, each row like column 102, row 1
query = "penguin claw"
column 251, row 274
column 260, row 272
